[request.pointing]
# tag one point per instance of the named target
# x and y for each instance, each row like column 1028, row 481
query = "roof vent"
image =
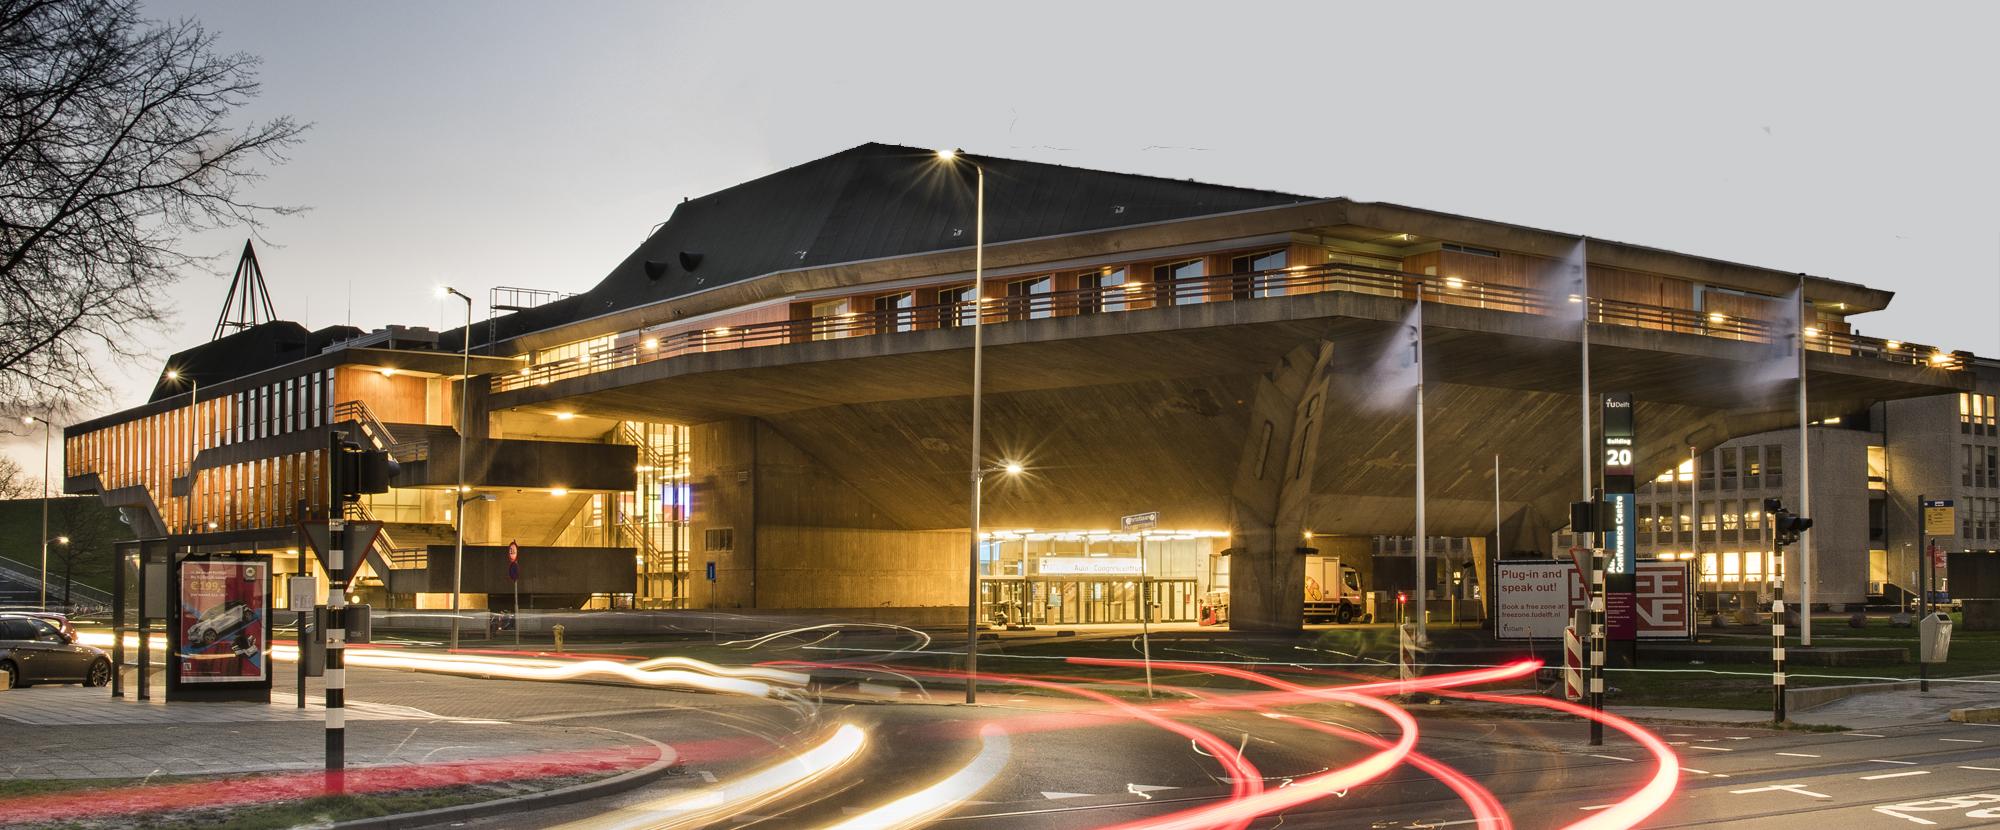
column 655, row 269
column 690, row 260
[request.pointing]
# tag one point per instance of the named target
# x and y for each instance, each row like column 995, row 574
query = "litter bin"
column 1934, row 637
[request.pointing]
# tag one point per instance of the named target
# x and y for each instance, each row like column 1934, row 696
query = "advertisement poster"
column 1534, row 599
column 223, row 632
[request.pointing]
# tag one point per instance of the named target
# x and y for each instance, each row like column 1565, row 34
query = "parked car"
column 33, row 650
column 60, row 621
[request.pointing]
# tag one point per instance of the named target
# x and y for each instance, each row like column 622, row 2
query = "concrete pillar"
column 1272, row 492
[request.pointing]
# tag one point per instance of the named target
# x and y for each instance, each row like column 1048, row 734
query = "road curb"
column 1984, row 714
column 531, row 801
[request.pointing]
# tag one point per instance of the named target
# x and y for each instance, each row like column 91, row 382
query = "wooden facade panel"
column 395, row 399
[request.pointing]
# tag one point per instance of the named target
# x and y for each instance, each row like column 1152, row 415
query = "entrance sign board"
column 1534, row 600
column 1140, row 521
column 1091, row 566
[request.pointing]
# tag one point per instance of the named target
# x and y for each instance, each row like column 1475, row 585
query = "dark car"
column 33, row 650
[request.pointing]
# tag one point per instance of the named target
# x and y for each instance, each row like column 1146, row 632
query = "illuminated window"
column 831, row 319
column 1732, row 566
column 1878, row 468
column 1708, row 573
column 1965, row 411
column 1686, row 470
column 1753, row 565
column 1753, row 467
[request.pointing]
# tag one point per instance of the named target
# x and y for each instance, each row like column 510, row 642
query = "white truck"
column 1333, row 591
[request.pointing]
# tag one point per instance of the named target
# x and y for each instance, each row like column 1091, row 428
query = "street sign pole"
column 514, row 576
column 1143, row 522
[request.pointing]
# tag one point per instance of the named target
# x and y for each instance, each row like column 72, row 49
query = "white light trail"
column 921, row 806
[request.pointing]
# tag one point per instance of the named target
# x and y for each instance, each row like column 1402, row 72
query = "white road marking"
column 1895, row 775
column 1737, row 738
column 1983, row 769
column 1795, row 789
column 1695, row 771
column 1866, row 735
column 1612, row 758
column 1142, row 790
column 1053, row 796
column 1962, row 740
column 708, row 776
column 1796, row 755
column 1880, row 761
column 1713, row 748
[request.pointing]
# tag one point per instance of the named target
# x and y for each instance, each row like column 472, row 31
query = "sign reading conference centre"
column 1533, row 600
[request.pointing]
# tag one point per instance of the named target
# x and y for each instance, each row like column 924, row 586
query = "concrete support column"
column 1272, row 492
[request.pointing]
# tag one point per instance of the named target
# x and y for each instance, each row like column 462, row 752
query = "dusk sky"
column 510, row 144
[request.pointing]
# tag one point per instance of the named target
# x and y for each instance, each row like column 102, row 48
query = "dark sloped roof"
column 871, row 202
column 249, row 351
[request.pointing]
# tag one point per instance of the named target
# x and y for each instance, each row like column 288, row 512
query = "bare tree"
column 16, row 483
column 115, row 142
column 91, row 528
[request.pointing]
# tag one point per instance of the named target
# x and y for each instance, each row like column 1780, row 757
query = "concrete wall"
column 802, row 537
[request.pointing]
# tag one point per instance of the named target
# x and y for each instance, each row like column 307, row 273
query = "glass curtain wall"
column 653, row 517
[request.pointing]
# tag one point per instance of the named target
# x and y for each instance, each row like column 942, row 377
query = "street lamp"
column 979, row 474
column 978, row 371
column 47, row 429
column 46, row 541
column 458, row 512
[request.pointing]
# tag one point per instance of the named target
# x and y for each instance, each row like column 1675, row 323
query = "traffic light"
column 356, row 471
column 1785, row 527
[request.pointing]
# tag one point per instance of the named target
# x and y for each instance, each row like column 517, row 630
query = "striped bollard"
column 1405, row 655
column 1597, row 643
column 1572, row 673
column 1778, row 657
column 336, row 659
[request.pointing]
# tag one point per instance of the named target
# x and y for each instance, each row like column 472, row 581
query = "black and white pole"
column 336, row 651
column 1597, row 645
column 1778, row 635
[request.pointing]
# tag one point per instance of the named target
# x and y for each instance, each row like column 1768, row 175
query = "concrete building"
column 1869, row 471
column 795, row 351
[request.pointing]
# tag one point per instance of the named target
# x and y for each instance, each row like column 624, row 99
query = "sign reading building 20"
column 1535, row 600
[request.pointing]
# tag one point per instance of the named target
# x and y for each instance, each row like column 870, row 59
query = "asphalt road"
column 1067, row 765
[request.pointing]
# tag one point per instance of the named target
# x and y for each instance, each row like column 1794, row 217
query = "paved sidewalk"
column 1873, row 710
column 74, row 732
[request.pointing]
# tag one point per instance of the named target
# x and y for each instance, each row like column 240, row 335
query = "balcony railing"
column 1134, row 296
column 378, row 434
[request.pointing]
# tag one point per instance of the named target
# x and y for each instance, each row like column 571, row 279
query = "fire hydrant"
column 559, row 632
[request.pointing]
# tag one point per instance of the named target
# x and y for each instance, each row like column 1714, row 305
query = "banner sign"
column 224, row 634
column 1091, row 566
column 1620, row 537
column 1534, row 600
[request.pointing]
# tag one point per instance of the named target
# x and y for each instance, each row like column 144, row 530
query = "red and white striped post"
column 1572, row 672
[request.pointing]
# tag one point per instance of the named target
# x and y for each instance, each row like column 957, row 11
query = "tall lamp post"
column 194, row 417
column 977, row 468
column 47, row 428
column 458, row 493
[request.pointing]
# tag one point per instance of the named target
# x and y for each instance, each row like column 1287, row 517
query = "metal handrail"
column 378, row 433
column 1134, row 296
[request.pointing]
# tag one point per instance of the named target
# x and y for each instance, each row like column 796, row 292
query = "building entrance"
column 1042, row 601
